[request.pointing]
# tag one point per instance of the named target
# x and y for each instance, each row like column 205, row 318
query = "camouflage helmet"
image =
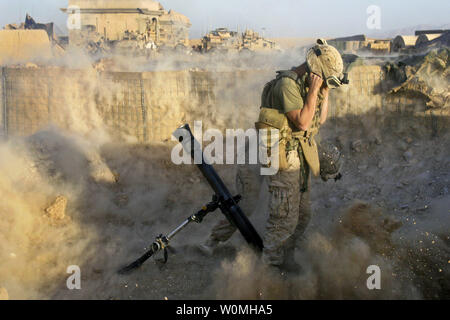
column 325, row 61
column 330, row 161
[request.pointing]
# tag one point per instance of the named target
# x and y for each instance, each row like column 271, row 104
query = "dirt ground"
column 390, row 209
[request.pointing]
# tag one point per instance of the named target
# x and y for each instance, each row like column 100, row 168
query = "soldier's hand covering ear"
column 315, row 82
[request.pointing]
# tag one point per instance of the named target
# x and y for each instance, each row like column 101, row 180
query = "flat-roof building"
column 116, row 20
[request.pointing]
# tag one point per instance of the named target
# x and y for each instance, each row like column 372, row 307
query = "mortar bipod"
column 163, row 242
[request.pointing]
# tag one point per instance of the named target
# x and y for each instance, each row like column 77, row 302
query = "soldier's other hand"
column 315, row 82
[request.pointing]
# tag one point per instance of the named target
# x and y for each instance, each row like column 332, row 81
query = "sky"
column 273, row 18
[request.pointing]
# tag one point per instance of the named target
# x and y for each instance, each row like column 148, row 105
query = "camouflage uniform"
column 289, row 208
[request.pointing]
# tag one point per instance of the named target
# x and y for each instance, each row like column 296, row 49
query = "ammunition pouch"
column 274, row 119
column 309, row 149
column 289, row 140
column 282, row 162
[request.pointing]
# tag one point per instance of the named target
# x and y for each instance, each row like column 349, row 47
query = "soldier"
column 295, row 103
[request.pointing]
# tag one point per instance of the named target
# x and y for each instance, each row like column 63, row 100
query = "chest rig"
column 291, row 138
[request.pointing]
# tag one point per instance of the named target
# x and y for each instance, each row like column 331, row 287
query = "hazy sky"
column 280, row 18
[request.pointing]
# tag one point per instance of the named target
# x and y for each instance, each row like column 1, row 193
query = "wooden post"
column 4, row 103
column 144, row 109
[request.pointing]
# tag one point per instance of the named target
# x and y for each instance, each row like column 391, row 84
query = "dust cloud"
column 388, row 211
column 121, row 194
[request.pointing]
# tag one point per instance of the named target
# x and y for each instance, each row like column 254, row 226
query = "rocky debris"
column 427, row 77
column 121, row 200
column 377, row 140
column 225, row 40
column 409, row 140
column 408, row 156
column 362, row 167
column 4, row 294
column 33, row 25
column 357, row 146
column 403, row 145
column 93, row 42
column 47, row 147
column 100, row 172
column 14, row 26
column 97, row 47
column 57, row 210
column 105, row 64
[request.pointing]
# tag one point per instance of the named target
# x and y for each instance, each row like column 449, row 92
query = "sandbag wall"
column 147, row 107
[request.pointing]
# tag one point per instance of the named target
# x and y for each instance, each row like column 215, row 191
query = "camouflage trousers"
column 289, row 211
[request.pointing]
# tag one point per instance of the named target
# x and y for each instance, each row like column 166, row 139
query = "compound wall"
column 147, row 107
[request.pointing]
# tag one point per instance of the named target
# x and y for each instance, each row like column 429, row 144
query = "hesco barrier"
column 148, row 106
column 139, row 105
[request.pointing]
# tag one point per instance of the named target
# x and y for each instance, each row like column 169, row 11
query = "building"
column 358, row 43
column 420, row 32
column 223, row 39
column 403, row 42
column 251, row 40
column 425, row 38
column 116, row 20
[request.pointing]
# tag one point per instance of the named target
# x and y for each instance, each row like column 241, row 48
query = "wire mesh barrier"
column 124, row 110
column 26, row 101
column 145, row 107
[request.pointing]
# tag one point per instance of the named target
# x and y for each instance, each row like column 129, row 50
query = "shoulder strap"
column 287, row 74
column 269, row 85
